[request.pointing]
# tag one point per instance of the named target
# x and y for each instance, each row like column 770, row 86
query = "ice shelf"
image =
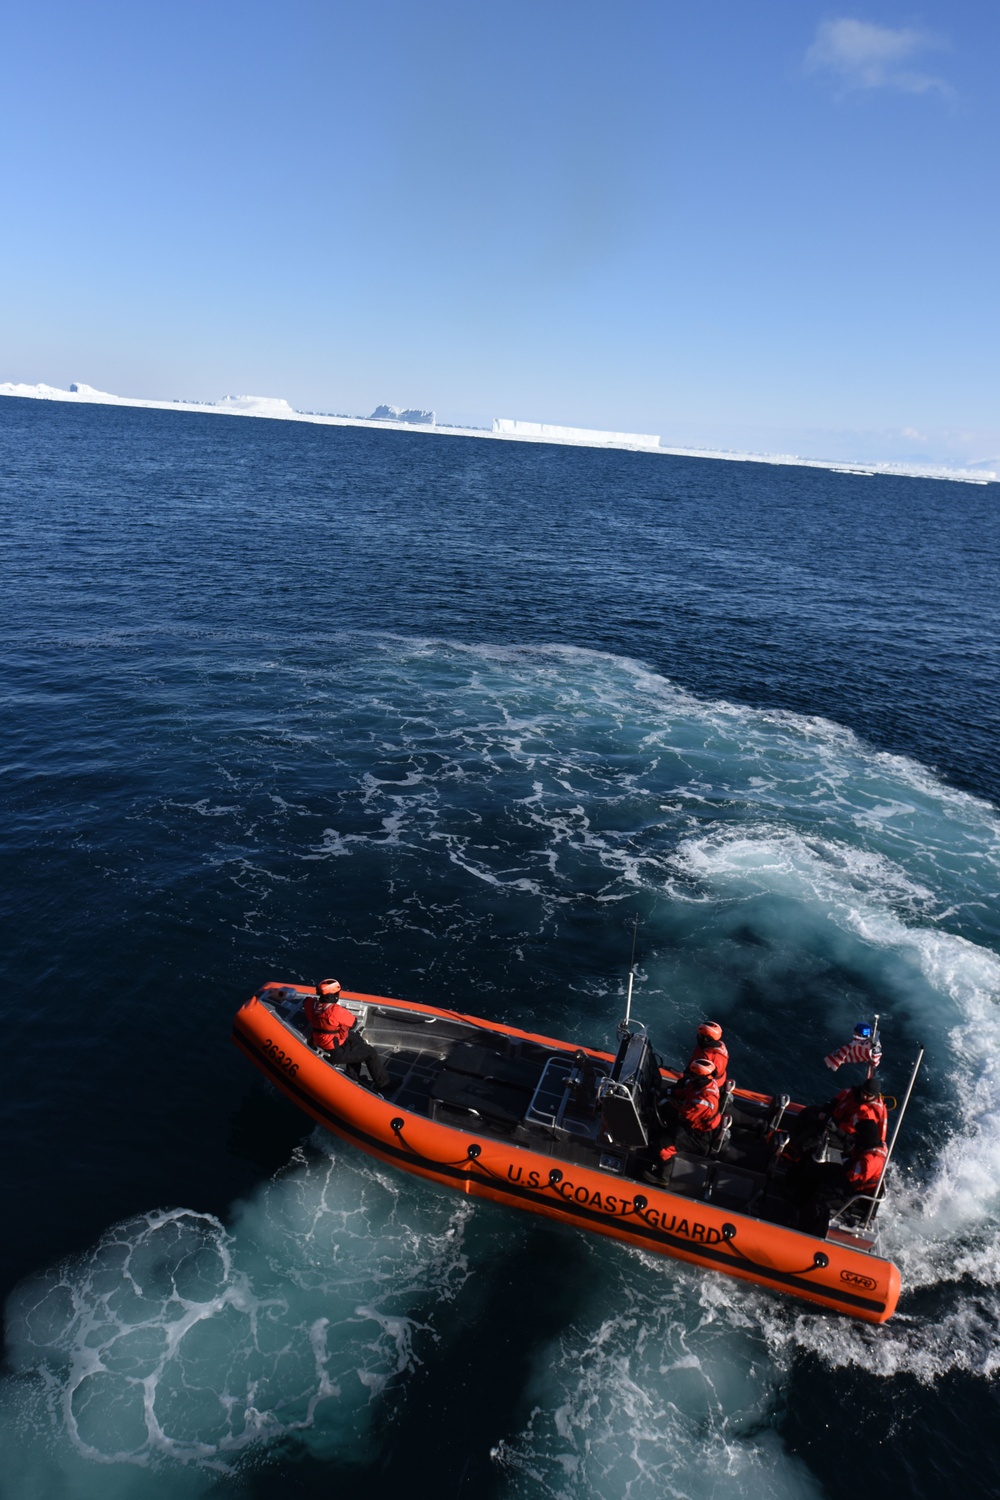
column 544, row 432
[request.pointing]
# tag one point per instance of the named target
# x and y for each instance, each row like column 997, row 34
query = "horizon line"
column 276, row 408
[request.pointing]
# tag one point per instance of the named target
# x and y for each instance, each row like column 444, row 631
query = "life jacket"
column 874, row 1109
column 865, row 1170
column 850, row 1108
column 717, row 1053
column 698, row 1105
column 330, row 1022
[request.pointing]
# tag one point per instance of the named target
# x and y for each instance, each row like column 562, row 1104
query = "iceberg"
column 411, row 414
column 242, row 406
column 505, row 429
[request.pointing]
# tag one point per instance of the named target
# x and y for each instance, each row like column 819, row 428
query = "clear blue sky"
column 767, row 225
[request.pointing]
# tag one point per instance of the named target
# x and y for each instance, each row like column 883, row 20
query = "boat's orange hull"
column 834, row 1276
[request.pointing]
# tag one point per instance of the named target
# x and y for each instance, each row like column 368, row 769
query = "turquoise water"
column 439, row 716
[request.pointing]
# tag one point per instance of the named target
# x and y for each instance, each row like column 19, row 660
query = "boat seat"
column 776, row 1209
column 483, row 1062
column 483, row 1096
column 690, row 1176
column 750, row 1153
column 733, row 1188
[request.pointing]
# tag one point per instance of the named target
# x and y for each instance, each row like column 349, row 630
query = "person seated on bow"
column 333, row 1035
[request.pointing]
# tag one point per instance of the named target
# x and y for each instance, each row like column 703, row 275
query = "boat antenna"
column 895, row 1136
column 631, row 973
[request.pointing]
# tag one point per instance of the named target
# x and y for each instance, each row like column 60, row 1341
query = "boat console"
column 628, row 1096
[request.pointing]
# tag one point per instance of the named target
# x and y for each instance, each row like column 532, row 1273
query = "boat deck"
column 452, row 1071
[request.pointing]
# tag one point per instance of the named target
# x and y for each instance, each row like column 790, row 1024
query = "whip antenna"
column 631, row 972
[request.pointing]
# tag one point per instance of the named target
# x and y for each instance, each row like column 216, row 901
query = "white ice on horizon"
column 545, row 432
column 503, row 430
column 413, row 415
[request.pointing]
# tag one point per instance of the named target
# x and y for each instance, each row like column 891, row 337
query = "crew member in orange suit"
column 695, row 1104
column 710, row 1046
column 827, row 1187
column 862, row 1102
column 333, row 1034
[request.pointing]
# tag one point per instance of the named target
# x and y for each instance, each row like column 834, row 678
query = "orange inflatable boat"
column 568, row 1132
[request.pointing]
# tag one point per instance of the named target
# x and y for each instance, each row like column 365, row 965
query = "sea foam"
column 790, row 878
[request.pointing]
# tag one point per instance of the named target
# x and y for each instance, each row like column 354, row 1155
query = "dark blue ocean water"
column 438, row 715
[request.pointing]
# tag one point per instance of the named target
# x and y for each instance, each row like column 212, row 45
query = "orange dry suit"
column 698, row 1105
column 717, row 1053
column 829, row 1188
column 850, row 1108
column 330, row 1022
column 864, row 1170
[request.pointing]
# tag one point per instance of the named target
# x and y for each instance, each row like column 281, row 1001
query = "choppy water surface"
column 438, row 716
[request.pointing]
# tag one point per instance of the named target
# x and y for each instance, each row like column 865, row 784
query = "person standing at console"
column 333, row 1035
